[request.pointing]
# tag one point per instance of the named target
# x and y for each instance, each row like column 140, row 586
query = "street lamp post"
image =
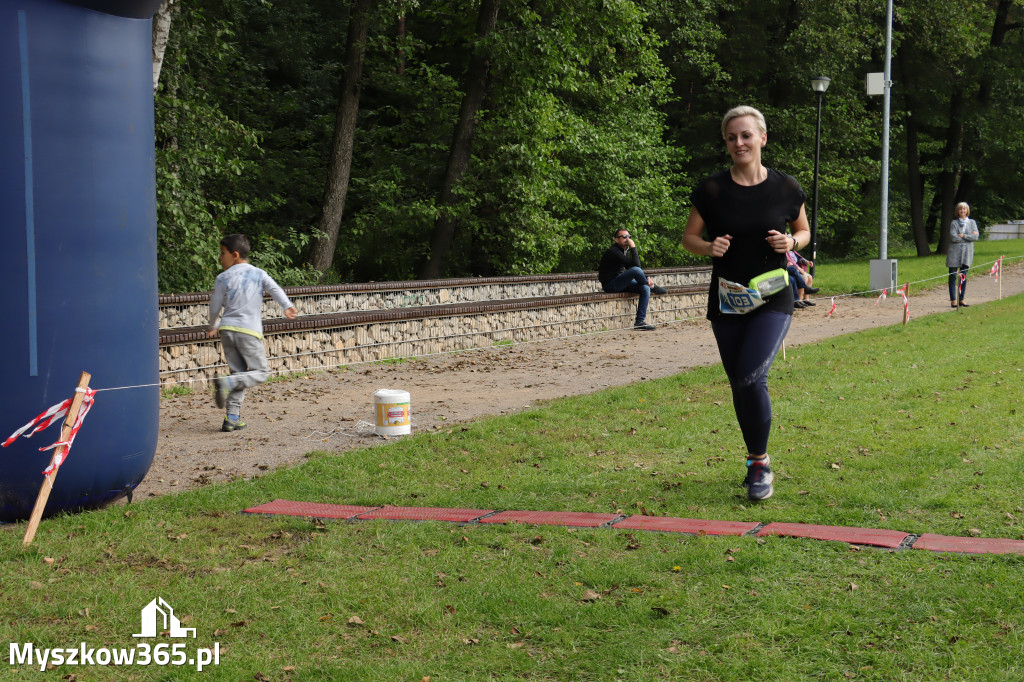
column 819, row 84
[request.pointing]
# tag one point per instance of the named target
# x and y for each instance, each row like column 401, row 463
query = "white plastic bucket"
column 392, row 409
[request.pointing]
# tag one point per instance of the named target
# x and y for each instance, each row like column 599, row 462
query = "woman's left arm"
column 973, row 234
column 801, row 237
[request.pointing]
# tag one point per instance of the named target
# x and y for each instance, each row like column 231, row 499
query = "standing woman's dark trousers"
column 748, row 344
column 954, row 279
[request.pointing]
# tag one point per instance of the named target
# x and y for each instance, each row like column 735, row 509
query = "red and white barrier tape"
column 47, row 418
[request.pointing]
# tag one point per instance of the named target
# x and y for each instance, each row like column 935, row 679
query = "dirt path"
column 284, row 417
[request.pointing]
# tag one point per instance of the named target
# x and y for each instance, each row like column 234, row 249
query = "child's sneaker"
column 759, row 480
column 221, row 388
column 230, row 424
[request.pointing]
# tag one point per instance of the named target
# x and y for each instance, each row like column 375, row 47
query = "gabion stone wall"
column 197, row 362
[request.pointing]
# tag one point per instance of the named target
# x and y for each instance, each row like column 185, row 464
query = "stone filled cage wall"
column 318, row 342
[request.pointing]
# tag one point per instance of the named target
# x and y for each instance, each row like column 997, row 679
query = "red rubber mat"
column 547, row 518
column 948, row 543
column 855, row 536
column 670, row 524
column 315, row 509
column 425, row 514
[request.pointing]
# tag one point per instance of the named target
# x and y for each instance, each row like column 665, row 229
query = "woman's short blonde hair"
column 736, row 112
column 956, row 209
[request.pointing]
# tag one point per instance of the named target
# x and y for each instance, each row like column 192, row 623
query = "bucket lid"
column 391, row 393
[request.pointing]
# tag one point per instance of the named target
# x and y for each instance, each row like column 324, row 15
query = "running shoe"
column 759, row 480
column 232, row 424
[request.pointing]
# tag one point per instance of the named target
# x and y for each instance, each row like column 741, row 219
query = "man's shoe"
column 964, row 305
column 812, row 290
column 758, row 481
column 221, row 388
column 232, row 424
column 644, row 327
column 657, row 290
column 799, row 304
column 808, row 303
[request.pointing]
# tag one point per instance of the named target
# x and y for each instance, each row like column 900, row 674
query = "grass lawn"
column 914, row 428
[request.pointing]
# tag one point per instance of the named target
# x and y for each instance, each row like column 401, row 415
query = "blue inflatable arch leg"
column 78, row 267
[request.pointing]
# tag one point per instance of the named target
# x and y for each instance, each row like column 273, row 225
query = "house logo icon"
column 158, row 616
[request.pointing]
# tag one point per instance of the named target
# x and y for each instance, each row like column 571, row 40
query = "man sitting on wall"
column 620, row 270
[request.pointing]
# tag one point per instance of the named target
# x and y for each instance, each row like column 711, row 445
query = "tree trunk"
column 161, row 32
column 949, row 178
column 322, row 254
column 915, row 185
column 462, row 144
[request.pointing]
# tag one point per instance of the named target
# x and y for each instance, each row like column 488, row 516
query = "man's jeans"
column 634, row 281
column 796, row 280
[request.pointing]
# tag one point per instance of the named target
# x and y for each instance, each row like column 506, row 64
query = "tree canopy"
column 518, row 146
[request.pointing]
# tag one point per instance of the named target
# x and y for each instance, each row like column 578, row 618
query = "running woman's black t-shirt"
column 747, row 214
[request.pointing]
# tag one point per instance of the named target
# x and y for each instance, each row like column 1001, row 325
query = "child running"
column 239, row 291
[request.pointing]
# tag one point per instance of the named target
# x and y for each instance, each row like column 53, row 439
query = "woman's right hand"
column 720, row 245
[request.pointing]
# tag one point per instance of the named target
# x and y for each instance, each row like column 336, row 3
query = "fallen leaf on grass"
column 590, row 595
column 853, row 586
column 399, row 639
column 469, row 641
column 974, row 532
column 355, row 621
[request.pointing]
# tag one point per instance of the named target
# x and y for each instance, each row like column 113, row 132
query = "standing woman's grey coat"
column 961, row 249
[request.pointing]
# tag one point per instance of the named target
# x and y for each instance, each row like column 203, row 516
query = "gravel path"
column 289, row 418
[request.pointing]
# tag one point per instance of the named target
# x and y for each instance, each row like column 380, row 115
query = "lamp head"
column 820, row 84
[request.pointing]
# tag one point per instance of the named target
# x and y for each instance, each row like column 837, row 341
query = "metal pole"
column 883, row 232
column 814, row 205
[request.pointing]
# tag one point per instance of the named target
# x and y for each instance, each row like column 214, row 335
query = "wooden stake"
column 783, row 349
column 906, row 306
column 47, row 487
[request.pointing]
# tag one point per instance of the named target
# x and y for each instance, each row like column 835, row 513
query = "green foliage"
column 578, row 146
column 235, row 148
column 598, row 115
column 202, row 158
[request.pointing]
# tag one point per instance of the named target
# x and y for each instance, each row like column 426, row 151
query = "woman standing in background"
column 964, row 232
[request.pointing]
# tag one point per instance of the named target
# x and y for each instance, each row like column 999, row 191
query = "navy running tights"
column 748, row 345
